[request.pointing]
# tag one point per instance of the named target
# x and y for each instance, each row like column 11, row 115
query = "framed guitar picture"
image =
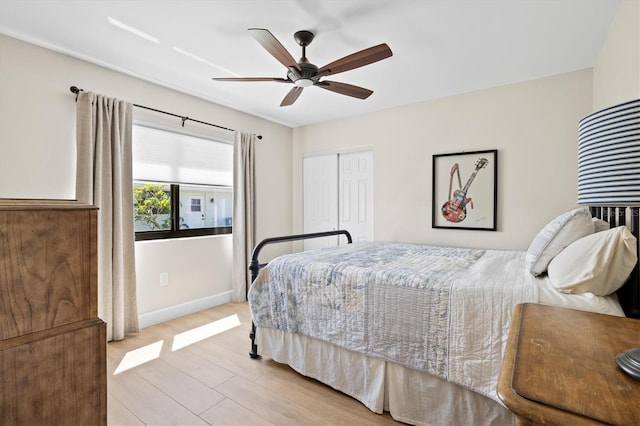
column 465, row 187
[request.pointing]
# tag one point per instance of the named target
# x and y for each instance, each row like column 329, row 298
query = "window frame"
column 175, row 231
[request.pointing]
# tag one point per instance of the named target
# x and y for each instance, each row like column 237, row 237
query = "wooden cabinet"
column 52, row 345
column 559, row 367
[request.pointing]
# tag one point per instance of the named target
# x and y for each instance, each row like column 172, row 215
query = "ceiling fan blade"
column 277, row 79
column 357, row 60
column 274, row 47
column 291, row 97
column 345, row 89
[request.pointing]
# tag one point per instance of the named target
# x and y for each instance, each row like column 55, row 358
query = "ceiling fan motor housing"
column 307, row 76
column 308, row 70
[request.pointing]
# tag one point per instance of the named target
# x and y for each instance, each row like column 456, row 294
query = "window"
column 182, row 184
column 205, row 206
column 151, row 207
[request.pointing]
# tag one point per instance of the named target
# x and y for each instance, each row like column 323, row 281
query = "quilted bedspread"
column 442, row 310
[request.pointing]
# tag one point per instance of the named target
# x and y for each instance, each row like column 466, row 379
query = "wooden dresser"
column 52, row 344
column 559, row 368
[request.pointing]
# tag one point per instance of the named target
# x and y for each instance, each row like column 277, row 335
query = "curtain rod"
column 76, row 90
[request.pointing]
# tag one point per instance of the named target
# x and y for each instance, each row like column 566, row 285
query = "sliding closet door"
column 338, row 194
column 320, row 199
column 356, row 194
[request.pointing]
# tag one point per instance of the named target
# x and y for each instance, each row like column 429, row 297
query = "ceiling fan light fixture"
column 303, row 82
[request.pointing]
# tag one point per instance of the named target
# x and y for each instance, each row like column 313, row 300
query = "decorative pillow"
column 555, row 236
column 599, row 263
column 601, row 225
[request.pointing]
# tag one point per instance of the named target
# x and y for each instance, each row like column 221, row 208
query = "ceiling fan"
column 304, row 74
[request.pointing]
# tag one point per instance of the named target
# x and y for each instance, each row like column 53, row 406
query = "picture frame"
column 464, row 190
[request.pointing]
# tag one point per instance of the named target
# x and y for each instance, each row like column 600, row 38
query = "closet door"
column 356, row 195
column 320, row 195
column 338, row 194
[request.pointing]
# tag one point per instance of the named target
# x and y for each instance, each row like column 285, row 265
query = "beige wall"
column 37, row 160
column 616, row 74
column 531, row 124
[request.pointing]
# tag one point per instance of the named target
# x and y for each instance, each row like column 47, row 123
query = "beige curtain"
column 103, row 179
column 243, row 211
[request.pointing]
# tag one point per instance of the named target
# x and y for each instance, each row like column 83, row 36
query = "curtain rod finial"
column 76, row 90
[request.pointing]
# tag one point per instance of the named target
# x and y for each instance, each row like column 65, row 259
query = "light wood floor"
column 214, row 381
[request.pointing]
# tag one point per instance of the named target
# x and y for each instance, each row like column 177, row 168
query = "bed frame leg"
column 254, row 348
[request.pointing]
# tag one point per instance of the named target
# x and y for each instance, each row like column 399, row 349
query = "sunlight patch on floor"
column 200, row 333
column 139, row 356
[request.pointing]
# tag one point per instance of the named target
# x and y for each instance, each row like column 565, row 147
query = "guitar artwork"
column 455, row 210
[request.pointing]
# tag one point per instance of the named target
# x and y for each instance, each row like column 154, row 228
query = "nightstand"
column 559, row 367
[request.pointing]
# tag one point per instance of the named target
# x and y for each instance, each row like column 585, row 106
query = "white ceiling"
column 440, row 47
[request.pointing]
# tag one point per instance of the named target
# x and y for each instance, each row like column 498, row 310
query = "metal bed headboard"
column 629, row 293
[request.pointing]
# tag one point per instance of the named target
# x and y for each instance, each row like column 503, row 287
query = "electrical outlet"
column 164, row 279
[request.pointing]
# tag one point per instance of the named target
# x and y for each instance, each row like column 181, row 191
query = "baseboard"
column 177, row 311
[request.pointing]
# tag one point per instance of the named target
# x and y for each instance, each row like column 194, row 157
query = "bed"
column 419, row 330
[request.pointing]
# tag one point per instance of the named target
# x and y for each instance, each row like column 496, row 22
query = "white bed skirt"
column 408, row 395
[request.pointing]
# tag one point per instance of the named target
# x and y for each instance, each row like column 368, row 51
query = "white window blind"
column 166, row 156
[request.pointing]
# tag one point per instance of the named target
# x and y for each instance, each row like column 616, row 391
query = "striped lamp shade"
column 609, row 156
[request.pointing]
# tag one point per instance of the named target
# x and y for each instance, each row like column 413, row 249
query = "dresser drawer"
column 48, row 275
column 55, row 377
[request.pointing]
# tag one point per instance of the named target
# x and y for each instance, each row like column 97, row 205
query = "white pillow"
column 555, row 236
column 601, row 225
column 599, row 263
